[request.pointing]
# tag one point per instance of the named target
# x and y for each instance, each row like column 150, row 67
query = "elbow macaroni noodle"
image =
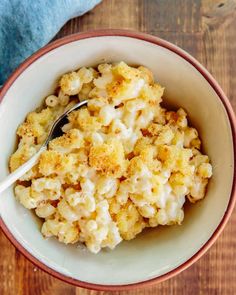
column 123, row 163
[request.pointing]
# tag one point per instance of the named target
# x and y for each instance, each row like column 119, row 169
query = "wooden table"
column 207, row 30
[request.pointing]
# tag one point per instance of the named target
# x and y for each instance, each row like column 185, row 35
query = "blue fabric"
column 27, row 25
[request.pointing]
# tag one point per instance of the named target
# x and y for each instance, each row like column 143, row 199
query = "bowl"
column 157, row 254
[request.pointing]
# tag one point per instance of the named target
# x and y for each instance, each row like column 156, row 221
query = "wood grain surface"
column 207, row 30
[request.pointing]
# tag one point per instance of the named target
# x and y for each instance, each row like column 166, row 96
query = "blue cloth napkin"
column 27, row 25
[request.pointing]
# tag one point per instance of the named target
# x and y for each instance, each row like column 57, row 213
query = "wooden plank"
column 206, row 29
column 7, row 265
column 170, row 16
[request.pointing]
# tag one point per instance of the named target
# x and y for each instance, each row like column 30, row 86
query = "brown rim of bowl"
column 232, row 119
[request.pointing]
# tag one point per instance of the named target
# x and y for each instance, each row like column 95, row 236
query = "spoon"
column 54, row 132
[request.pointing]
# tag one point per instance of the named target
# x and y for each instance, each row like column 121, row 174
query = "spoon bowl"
column 54, row 132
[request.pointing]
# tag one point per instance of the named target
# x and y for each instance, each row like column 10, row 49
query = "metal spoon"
column 54, row 132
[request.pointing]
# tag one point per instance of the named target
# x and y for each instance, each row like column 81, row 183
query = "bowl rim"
column 232, row 119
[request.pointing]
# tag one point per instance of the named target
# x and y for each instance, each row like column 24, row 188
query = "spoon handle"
column 19, row 172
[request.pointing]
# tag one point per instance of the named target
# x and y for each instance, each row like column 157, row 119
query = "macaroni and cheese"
column 123, row 163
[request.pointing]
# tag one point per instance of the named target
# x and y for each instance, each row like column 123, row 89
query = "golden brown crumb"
column 108, row 158
column 73, row 139
column 83, row 120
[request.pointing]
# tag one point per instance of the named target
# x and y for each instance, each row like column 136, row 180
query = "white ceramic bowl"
column 155, row 254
